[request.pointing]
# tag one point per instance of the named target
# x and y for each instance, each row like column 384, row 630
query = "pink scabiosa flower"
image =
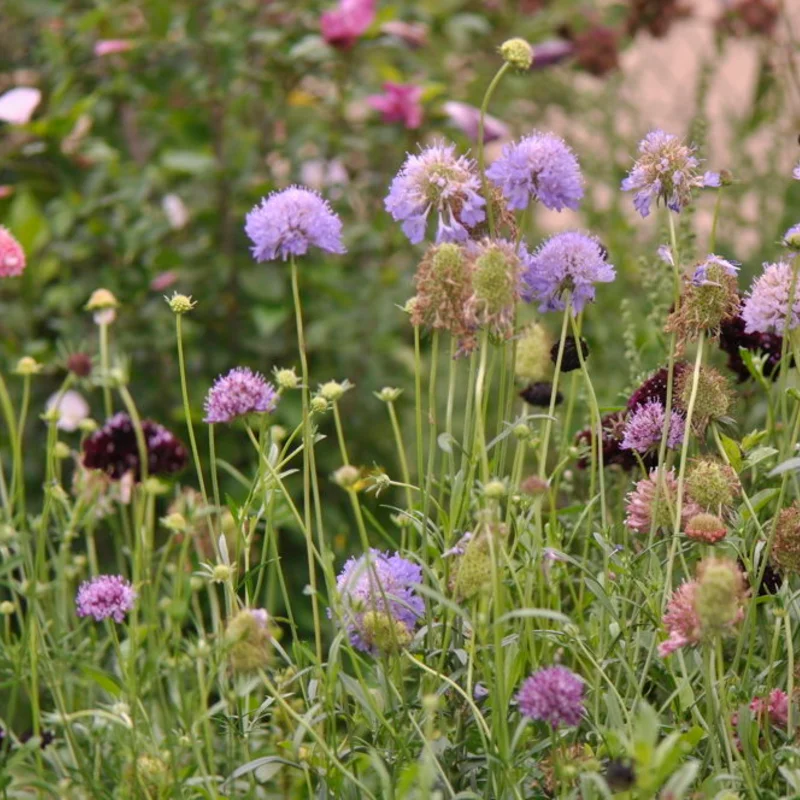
column 72, row 409
column 775, row 708
column 289, row 222
column 114, row 449
column 239, row 393
column 380, row 606
column 342, row 26
column 567, row 262
column 645, row 426
column 653, row 502
column 765, row 306
column 18, row 104
column 539, row 167
column 666, row 171
column 681, row 620
column 436, row 180
column 400, row 102
column 414, row 34
column 12, row 256
column 467, row 118
column 553, row 695
column 105, row 596
column 107, row 47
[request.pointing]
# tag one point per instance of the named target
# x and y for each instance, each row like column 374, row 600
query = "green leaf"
column 785, row 466
column 106, row 682
column 732, row 451
column 192, row 162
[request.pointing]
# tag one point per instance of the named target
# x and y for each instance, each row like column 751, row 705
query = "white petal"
column 17, row 105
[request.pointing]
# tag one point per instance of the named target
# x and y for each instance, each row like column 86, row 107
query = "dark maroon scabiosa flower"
column 742, row 17
column 771, row 582
column 655, row 387
column 655, row 16
column 597, row 50
column 620, row 775
column 80, row 364
column 570, row 360
column 538, row 394
column 114, row 450
column 733, row 336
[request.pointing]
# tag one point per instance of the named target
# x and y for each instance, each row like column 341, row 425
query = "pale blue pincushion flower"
column 567, row 262
column 290, row 222
column 437, row 180
column 539, row 167
column 666, row 171
column 645, row 426
column 701, row 272
column 765, row 307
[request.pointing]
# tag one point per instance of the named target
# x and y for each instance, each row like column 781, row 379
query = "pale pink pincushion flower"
column 107, row 47
column 18, row 104
column 775, row 707
column 681, row 619
column 657, row 496
column 400, row 102
column 343, row 25
column 12, row 256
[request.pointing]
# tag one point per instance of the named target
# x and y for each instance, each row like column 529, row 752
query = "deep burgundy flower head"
column 553, row 695
column 113, row 449
column 538, row 394
column 613, row 425
column 770, row 583
column 80, row 364
column 733, row 336
column 655, row 387
column 570, row 360
column 105, row 596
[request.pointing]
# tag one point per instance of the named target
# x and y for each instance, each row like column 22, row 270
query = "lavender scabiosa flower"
column 379, row 601
column 239, row 393
column 114, row 449
column 289, row 222
column 105, row 596
column 541, row 167
column 567, row 262
column 791, row 238
column 436, row 179
column 645, row 425
column 553, row 695
column 667, row 170
column 766, row 304
column 796, row 172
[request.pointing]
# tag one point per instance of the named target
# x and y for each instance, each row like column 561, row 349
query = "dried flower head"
column 540, row 167
column 786, row 545
column 707, row 528
column 733, row 337
column 645, row 427
column 553, row 695
column 105, row 596
column 713, row 398
column 380, row 605
column 248, row 637
column 473, row 571
column 714, row 486
column 666, row 171
column 436, row 180
column 653, row 501
column 569, row 262
column 238, row 393
column 533, row 354
column 12, row 256
column 290, row 222
column 720, row 595
column 767, row 303
column 114, row 449
column 495, row 269
column 597, row 50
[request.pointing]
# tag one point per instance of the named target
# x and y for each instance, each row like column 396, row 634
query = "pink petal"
column 17, row 105
column 105, row 47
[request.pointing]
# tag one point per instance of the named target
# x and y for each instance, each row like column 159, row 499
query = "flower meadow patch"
column 547, row 588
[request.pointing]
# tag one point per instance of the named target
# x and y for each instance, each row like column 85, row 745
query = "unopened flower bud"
column 347, row 476
column 6, row 608
column 720, row 592
column 518, row 53
column 221, row 573
column 535, row 486
column 101, row 300
column 286, row 378
column 249, row 639
column 792, row 237
column 175, row 522
column 180, row 303
column 522, row 431
column 332, row 390
column 28, row 366
column 196, row 583
column 318, row 404
column 388, row 394
column 80, row 364
column 87, row 425
column 277, row 433
column 61, row 450
column 495, row 490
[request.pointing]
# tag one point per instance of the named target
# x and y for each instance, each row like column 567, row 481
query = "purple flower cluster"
column 436, row 179
column 238, row 393
column 700, row 275
column 766, row 305
column 539, row 167
column 289, row 222
column 105, row 596
column 553, row 695
column 379, row 583
column 569, row 261
column 667, row 170
column 114, row 449
column 645, row 425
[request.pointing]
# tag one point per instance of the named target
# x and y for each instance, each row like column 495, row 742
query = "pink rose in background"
column 343, row 25
column 107, row 47
column 17, row 105
column 400, row 102
column 467, row 118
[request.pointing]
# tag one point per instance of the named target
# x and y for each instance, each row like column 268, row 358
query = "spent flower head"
column 495, row 270
column 437, row 180
column 540, row 167
column 667, row 171
column 290, row 222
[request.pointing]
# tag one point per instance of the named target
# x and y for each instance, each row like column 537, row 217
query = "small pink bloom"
column 776, row 707
column 107, row 47
column 414, row 34
column 343, row 25
column 164, row 280
column 681, row 619
column 17, row 105
column 467, row 118
column 6, row 191
column 12, row 256
column 400, row 102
